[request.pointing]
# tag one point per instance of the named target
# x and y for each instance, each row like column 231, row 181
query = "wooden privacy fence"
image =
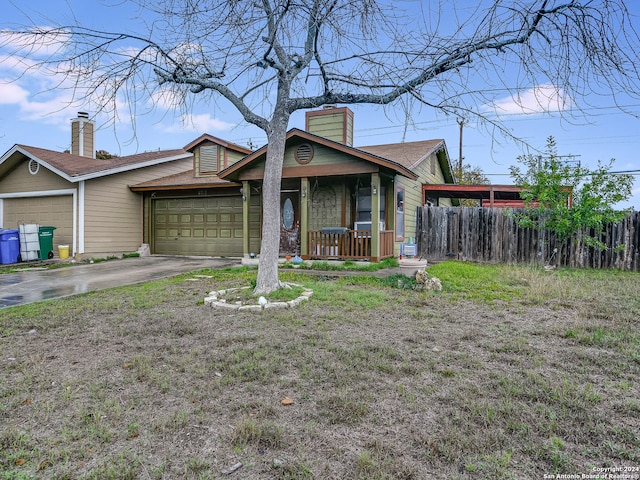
column 493, row 235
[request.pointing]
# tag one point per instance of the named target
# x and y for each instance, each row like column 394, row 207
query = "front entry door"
column 289, row 223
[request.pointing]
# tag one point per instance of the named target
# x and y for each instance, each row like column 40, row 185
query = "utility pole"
column 461, row 123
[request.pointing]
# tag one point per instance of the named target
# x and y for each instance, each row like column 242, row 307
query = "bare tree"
column 269, row 58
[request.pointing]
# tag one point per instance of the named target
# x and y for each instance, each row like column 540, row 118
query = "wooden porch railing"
column 343, row 244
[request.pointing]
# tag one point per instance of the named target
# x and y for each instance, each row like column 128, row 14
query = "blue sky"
column 34, row 112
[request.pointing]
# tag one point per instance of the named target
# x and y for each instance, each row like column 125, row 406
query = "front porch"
column 346, row 244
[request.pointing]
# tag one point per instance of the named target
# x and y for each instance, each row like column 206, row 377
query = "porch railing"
column 344, row 244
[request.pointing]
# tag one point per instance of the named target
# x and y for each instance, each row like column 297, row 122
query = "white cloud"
column 16, row 65
column 203, row 123
column 38, row 42
column 539, row 99
column 12, row 94
column 50, row 103
column 166, row 98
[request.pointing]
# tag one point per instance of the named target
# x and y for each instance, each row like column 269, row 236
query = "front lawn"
column 509, row 372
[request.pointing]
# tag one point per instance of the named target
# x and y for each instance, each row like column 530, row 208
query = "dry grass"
column 508, row 373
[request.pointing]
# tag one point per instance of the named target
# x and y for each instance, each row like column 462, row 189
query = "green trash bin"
column 45, row 236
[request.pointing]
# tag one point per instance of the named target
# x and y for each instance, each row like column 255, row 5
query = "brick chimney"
column 334, row 123
column 82, row 136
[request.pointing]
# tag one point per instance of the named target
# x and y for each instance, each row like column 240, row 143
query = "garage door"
column 56, row 211
column 209, row 226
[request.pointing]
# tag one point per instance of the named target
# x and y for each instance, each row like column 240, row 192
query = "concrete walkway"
column 37, row 284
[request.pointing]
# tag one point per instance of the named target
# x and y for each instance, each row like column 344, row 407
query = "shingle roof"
column 77, row 166
column 182, row 180
column 407, row 154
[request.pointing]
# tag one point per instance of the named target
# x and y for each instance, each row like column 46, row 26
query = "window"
column 209, row 159
column 363, row 204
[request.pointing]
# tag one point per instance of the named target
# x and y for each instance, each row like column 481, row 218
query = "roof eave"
column 184, row 186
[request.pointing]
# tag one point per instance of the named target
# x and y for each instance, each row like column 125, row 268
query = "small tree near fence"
column 565, row 198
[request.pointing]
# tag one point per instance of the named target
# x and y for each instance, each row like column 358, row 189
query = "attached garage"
column 202, row 226
column 56, row 211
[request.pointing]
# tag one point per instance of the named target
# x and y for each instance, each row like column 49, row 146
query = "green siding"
column 321, row 156
column 413, row 194
column 233, row 157
column 329, row 126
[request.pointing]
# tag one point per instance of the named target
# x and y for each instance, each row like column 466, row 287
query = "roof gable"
column 76, row 168
column 295, row 135
column 205, row 138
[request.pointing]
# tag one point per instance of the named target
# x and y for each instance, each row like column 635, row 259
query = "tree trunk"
column 268, row 281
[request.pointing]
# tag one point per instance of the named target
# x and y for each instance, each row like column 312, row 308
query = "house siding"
column 20, row 180
column 329, row 126
column 413, row 194
column 233, row 157
column 333, row 123
column 29, row 206
column 321, row 156
column 113, row 213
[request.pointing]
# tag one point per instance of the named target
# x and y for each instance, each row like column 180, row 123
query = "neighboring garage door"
column 205, row 226
column 55, row 211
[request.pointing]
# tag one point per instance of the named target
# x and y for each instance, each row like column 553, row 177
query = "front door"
column 289, row 223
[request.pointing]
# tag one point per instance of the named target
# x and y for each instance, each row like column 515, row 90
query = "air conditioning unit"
column 359, row 226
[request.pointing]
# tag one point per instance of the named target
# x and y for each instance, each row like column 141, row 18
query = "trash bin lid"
column 7, row 232
column 334, row 230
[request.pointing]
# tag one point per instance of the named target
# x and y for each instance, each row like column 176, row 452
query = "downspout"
column 74, row 242
column 81, row 226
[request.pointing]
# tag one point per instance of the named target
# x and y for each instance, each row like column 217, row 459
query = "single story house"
column 337, row 201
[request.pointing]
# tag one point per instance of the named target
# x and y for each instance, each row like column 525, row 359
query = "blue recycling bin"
column 9, row 246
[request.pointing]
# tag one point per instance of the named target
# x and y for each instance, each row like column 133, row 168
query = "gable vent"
column 304, row 153
column 209, row 159
column 34, row 166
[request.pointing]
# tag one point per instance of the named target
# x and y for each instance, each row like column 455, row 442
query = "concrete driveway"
column 34, row 285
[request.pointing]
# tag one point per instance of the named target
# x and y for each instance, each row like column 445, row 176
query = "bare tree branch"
column 269, row 58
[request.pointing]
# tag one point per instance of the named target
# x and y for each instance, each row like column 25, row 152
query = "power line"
column 619, row 172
